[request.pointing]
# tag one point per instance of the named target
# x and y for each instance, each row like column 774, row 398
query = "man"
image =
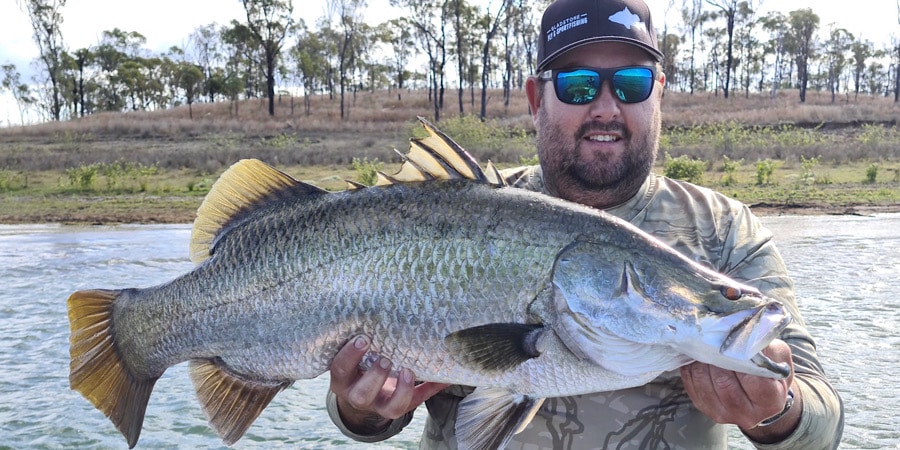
column 596, row 107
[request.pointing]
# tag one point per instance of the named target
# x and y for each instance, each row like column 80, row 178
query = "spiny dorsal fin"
column 230, row 402
column 245, row 186
column 436, row 157
column 493, row 175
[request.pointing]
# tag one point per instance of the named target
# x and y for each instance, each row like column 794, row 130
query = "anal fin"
column 489, row 417
column 230, row 401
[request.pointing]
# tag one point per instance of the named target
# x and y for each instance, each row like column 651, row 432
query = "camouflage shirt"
column 720, row 233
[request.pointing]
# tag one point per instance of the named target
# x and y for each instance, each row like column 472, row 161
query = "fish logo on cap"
column 627, row 18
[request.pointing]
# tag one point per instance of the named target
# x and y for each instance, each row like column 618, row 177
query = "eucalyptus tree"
column 491, row 21
column 776, row 25
column 860, row 51
column 12, row 82
column 204, row 47
column 897, row 64
column 801, row 42
column 693, row 18
column 464, row 16
column 242, row 55
column 308, row 58
column 190, row 79
column 520, row 38
column 269, row 22
column 728, row 9
column 82, row 58
column 836, row 49
column 430, row 18
column 46, row 19
column 737, row 14
column 349, row 31
column 402, row 50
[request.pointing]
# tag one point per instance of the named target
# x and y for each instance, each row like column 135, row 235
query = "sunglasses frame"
column 603, row 75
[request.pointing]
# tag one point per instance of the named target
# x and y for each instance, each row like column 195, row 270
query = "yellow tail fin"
column 97, row 370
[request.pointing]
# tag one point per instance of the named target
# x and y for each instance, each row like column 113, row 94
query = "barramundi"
column 447, row 270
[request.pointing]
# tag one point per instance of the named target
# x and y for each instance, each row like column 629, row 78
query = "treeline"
column 460, row 46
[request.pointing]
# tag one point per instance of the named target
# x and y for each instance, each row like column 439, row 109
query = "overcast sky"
column 167, row 23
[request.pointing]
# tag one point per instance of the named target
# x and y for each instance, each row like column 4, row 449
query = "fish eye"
column 731, row 293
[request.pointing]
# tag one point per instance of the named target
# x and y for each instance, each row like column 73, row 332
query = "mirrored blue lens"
column 581, row 86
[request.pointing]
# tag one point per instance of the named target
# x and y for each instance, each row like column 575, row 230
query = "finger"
column 345, row 365
column 366, row 392
column 398, row 403
column 425, row 391
column 408, row 396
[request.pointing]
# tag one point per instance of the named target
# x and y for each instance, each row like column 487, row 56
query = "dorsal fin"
column 436, row 157
column 247, row 185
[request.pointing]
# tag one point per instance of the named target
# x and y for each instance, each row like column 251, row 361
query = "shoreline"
column 163, row 214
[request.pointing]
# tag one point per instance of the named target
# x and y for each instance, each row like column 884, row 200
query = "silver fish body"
column 463, row 281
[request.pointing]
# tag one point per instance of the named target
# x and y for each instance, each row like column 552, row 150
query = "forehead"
column 604, row 54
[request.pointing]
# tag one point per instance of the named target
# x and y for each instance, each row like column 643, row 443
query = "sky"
column 167, row 23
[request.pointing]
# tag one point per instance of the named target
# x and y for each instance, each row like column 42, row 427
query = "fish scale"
column 450, row 274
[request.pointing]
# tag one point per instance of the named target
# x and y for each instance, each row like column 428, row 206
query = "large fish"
column 450, row 273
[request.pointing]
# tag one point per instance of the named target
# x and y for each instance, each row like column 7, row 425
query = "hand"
column 745, row 400
column 367, row 401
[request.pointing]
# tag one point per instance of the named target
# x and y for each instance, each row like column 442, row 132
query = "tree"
column 401, row 44
column 837, row 46
column 692, row 14
column 776, row 24
column 190, row 79
column 309, row 61
column 269, row 22
column 12, row 82
column 737, row 14
column 897, row 64
column 861, row 51
column 801, row 41
column 491, row 25
column 463, row 24
column 204, row 44
column 350, row 24
column 429, row 19
column 46, row 19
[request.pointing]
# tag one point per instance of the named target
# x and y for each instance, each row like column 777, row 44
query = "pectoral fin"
column 496, row 346
column 489, row 417
column 230, row 402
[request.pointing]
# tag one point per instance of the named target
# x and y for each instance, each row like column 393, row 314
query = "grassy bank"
column 156, row 167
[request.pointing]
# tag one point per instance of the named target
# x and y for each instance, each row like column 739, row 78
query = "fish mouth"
column 752, row 334
column 781, row 369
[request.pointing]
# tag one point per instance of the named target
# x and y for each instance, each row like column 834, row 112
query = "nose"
column 606, row 105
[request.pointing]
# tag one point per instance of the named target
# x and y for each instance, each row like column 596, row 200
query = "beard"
column 604, row 181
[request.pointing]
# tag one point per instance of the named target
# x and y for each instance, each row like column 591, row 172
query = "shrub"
column 764, row 171
column 731, row 167
column 83, row 176
column 684, row 168
column 871, row 173
column 367, row 171
column 807, row 175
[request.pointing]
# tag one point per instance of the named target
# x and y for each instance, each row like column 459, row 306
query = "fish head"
column 633, row 310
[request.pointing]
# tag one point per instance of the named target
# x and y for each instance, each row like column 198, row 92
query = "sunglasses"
column 581, row 85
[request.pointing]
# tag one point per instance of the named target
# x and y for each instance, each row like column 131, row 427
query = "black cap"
column 567, row 24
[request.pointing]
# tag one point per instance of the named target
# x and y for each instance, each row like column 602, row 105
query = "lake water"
column 846, row 269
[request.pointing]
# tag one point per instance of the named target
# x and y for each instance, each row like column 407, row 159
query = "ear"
column 662, row 84
column 533, row 91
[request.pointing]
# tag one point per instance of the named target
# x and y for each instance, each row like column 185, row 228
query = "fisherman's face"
column 598, row 153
